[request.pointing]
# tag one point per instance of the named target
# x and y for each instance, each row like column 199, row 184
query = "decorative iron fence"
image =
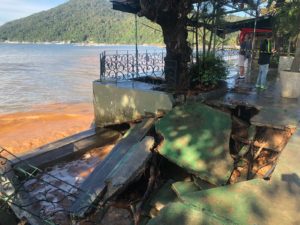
column 129, row 65
column 39, row 197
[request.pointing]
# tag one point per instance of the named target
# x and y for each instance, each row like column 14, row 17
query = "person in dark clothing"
column 265, row 53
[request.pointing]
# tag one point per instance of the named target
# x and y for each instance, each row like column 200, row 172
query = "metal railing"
column 36, row 195
column 117, row 66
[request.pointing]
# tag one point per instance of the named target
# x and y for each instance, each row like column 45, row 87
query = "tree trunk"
column 172, row 17
column 178, row 53
column 296, row 61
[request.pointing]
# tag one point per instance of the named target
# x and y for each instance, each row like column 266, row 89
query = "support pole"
column 215, row 27
column 197, row 36
column 289, row 48
column 254, row 35
column 136, row 48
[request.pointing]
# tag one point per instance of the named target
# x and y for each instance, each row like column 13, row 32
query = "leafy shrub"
column 210, row 70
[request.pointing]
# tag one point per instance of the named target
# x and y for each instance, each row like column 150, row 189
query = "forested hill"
column 80, row 21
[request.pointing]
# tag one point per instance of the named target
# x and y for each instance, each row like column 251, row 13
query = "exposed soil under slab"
column 255, row 149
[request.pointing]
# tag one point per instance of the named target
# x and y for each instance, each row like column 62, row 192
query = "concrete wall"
column 115, row 104
column 290, row 82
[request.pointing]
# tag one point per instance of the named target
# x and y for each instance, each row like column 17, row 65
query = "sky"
column 16, row 9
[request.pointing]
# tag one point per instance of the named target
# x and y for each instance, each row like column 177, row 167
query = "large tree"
column 172, row 16
column 287, row 22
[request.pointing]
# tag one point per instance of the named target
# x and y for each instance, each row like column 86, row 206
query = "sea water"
column 38, row 74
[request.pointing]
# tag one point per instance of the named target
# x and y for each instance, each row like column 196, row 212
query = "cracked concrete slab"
column 196, row 138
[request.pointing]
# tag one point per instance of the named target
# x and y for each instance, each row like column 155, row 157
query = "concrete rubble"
column 222, row 162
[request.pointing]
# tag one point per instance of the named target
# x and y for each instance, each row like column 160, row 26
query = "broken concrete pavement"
column 196, row 138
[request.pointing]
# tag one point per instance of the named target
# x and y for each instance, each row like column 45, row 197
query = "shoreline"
column 77, row 43
column 21, row 132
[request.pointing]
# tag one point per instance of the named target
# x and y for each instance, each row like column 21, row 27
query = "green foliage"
column 209, row 71
column 287, row 19
column 81, row 21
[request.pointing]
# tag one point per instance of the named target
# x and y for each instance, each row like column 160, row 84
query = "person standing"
column 264, row 58
column 242, row 44
column 244, row 55
column 248, row 52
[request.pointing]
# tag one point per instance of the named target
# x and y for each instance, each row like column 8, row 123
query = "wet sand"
column 23, row 131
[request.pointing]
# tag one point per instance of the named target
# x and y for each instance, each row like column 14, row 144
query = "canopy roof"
column 133, row 6
column 130, row 6
column 263, row 23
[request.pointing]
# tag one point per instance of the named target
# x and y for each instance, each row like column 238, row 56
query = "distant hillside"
column 80, row 21
column 86, row 21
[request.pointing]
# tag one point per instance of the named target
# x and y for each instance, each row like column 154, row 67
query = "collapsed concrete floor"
column 196, row 165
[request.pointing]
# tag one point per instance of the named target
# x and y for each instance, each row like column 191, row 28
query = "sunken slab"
column 94, row 187
column 131, row 167
column 66, row 148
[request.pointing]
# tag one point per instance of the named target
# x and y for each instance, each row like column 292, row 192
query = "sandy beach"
column 23, row 131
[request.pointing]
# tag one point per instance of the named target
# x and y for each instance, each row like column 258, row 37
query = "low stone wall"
column 122, row 102
column 116, row 103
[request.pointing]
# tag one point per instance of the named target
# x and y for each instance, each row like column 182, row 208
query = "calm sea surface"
column 32, row 74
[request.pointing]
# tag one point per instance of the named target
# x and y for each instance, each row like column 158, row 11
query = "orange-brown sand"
column 23, row 131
